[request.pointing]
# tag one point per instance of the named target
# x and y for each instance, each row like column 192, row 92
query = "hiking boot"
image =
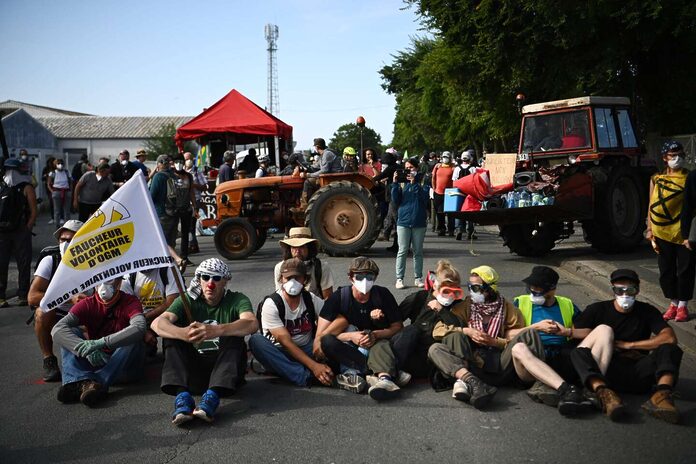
column 461, row 391
column 612, row 405
column 352, row 382
column 383, row 389
column 481, row 393
column 51, row 373
column 183, row 408
column 671, row 313
column 92, row 393
column 682, row 314
column 592, row 398
column 399, row 284
column 661, row 405
column 207, row 407
column 542, row 393
column 402, row 379
column 4, row 303
column 70, row 392
column 572, row 401
column 418, row 282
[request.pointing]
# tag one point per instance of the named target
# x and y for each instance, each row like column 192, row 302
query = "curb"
column 597, row 274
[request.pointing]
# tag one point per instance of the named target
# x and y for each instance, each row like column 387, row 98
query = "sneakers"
column 399, row 284
column 51, row 373
column 4, row 303
column 403, row 379
column 207, row 407
column 542, row 393
column 92, row 393
column 481, row 393
column 22, row 301
column 383, row 389
column 351, row 382
column 461, row 391
column 682, row 314
column 612, row 405
column 671, row 313
column 572, row 401
column 50, row 221
column 419, row 283
column 70, row 392
column 661, row 406
column 183, row 408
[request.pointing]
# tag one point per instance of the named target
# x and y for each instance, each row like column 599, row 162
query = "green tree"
column 162, row 143
column 348, row 135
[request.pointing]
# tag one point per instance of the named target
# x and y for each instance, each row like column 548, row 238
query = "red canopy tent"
column 236, row 115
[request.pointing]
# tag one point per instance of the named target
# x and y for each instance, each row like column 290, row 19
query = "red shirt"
column 442, row 178
column 96, row 318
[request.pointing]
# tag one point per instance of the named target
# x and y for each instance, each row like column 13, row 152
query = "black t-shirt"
column 638, row 324
column 358, row 314
column 119, row 173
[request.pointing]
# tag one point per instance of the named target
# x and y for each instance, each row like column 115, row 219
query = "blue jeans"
column 126, row 364
column 410, row 237
column 279, row 361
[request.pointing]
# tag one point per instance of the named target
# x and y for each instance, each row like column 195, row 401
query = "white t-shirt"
column 149, row 288
column 297, row 322
column 327, row 280
column 43, row 270
column 60, row 179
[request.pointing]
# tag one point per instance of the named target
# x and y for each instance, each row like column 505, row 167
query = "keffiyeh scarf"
column 495, row 310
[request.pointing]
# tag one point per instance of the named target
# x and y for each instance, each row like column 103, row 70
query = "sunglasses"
column 455, row 292
column 477, row 288
column 206, row 277
column 364, row 275
column 630, row 291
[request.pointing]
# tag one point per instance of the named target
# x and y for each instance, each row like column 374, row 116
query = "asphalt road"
column 269, row 421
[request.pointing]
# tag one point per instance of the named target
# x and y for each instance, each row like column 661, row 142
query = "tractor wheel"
column 344, row 217
column 529, row 240
column 619, row 216
column 235, row 238
column 261, row 235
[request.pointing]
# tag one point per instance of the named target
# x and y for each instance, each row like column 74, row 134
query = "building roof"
column 108, row 127
column 572, row 102
column 9, row 106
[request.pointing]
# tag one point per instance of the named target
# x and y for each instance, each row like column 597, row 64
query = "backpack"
column 163, row 277
column 178, row 200
column 317, row 276
column 280, row 304
column 12, row 206
column 52, row 251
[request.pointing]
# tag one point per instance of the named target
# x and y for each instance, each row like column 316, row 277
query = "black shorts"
column 558, row 358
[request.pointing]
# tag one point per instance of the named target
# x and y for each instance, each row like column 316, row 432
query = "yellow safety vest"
column 666, row 205
column 566, row 305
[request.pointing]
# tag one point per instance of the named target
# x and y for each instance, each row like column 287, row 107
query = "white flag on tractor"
column 123, row 236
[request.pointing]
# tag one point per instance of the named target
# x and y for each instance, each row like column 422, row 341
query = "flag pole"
column 182, row 292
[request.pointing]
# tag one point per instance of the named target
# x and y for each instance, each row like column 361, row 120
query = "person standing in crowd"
column 45, row 174
column 465, row 167
column 288, row 320
column 370, row 166
column 328, row 163
column 442, row 179
column 262, row 170
column 44, row 321
column 158, row 191
column 123, row 169
column 91, row 190
column 388, row 209
column 207, row 353
column 200, row 185
column 15, row 236
column 226, row 172
column 140, row 158
column 60, row 186
column 300, row 244
column 350, row 160
column 80, row 168
column 628, row 347
column 184, row 207
column 246, row 165
column 675, row 259
column 411, row 202
column 113, row 350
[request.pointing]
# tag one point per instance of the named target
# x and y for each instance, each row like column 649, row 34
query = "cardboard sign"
column 501, row 167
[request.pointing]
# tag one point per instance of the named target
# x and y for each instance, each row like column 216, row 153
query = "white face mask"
column 59, row 167
column 444, row 301
column 106, row 291
column 676, row 162
column 24, row 157
column 178, row 166
column 364, row 286
column 99, row 177
column 292, row 287
column 63, row 247
column 189, row 164
column 537, row 300
column 124, row 162
column 625, row 301
column 477, row 297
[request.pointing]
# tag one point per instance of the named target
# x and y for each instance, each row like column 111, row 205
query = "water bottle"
column 536, row 199
column 525, row 200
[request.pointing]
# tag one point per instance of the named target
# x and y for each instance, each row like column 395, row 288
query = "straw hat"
column 297, row 237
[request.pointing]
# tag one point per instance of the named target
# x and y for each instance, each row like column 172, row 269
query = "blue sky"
column 151, row 58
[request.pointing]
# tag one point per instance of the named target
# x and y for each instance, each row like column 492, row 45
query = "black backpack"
column 280, row 304
column 12, row 206
column 54, row 252
column 178, row 199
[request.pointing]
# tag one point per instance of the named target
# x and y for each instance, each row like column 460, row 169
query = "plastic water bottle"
column 536, row 199
column 525, row 200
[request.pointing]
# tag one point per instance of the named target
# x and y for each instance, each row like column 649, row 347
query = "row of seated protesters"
column 354, row 338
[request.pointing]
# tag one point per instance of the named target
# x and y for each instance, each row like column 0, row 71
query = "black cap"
column 320, row 143
column 624, row 274
column 543, row 277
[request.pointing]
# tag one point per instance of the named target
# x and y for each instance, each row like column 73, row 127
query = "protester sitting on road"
column 411, row 202
column 478, row 350
column 288, row 320
column 208, row 352
column 372, row 342
column 627, row 347
column 44, row 321
column 156, row 289
column 113, row 351
column 91, row 190
column 300, row 244
column 551, row 317
column 675, row 259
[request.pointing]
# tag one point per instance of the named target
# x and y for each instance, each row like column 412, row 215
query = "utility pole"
column 271, row 31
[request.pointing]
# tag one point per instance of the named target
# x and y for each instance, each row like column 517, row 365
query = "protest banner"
column 501, row 167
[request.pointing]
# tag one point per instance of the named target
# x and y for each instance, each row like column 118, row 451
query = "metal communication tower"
column 272, row 39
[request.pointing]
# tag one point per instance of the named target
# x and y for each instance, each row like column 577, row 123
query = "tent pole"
column 277, row 151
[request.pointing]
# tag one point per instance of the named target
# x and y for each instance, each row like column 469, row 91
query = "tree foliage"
column 348, row 135
column 459, row 86
column 162, row 143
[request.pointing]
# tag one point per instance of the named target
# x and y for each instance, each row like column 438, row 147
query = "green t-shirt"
column 228, row 310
